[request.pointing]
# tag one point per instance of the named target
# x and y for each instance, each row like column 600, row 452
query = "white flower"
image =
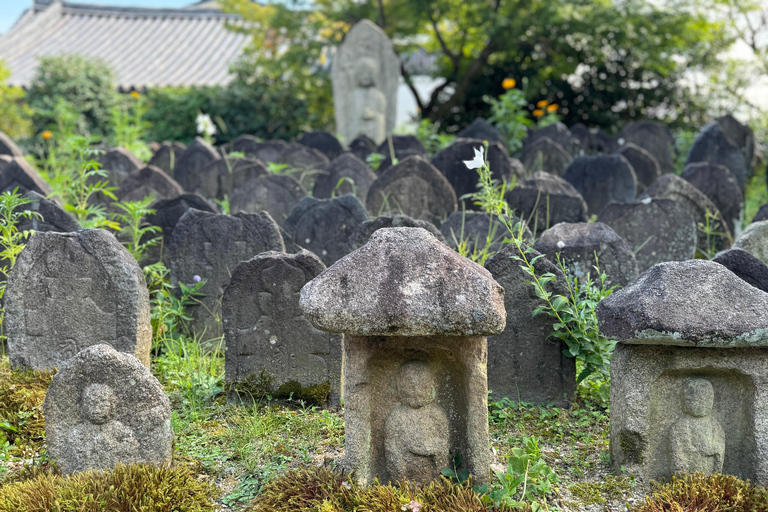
column 478, row 161
column 204, row 125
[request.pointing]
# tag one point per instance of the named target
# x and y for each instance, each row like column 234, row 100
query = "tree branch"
column 409, row 83
column 452, row 56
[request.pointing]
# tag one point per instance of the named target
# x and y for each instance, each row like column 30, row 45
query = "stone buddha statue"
column 697, row 440
column 369, row 102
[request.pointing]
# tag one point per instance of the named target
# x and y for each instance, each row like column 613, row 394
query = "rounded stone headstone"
column 324, row 226
column 646, row 168
column 450, row 162
column 580, row 244
column 267, row 151
column 324, row 142
column 718, row 184
column 192, row 167
column 364, row 231
column 601, row 180
column 557, row 133
column 265, row 330
column 480, row 129
column 712, row 145
column 480, row 231
column 745, row 266
column 119, row 164
column 69, row 291
column 105, row 408
column 150, row 181
column 347, row 174
column 167, row 155
column 52, row 216
column 754, row 240
column 169, row 211
column 362, row 146
column 403, row 147
column 654, row 137
column 703, row 210
column 277, row 194
column 546, row 155
column 741, row 136
column 545, row 200
column 18, row 174
column 234, row 173
column 525, row 362
column 762, row 214
column 593, row 140
column 301, row 159
column 415, row 188
column 656, row 230
column 211, row 246
column 8, row 147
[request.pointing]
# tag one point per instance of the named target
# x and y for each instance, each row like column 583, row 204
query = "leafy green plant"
column 511, row 117
column 136, row 231
column 22, row 426
column 374, row 160
column 700, row 493
column 129, row 129
column 433, row 141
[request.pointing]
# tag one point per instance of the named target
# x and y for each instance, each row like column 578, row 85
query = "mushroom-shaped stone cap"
column 687, row 303
column 404, row 282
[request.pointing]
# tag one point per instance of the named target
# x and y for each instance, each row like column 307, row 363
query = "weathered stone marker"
column 69, row 291
column 415, row 317
column 265, row 330
column 105, row 408
column 688, row 377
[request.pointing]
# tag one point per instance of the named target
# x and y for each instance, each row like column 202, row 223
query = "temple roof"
column 146, row 47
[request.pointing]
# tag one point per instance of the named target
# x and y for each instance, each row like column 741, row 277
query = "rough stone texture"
column 655, row 138
column 593, row 140
column 265, row 331
column 403, row 147
column 754, row 240
column 19, row 174
column 303, row 160
column 525, row 362
column 234, row 173
column 602, row 180
column 362, row 146
column 656, row 230
column 480, row 129
column 671, row 186
column 557, row 133
column 745, row 266
column 366, row 75
column 192, row 168
column 579, row 243
column 8, row 147
column 324, row 226
column 105, row 408
column 762, row 214
column 647, row 169
column 150, row 181
column 277, row 194
column 741, row 136
column 476, row 228
column 363, row 233
column 345, row 175
column 119, row 164
column 718, row 184
column 69, row 291
column 267, row 151
column 167, row 155
column 450, row 162
column 167, row 215
column 545, row 200
column 712, row 145
column 54, row 217
column 404, row 282
column 415, row 188
column 679, row 409
column 324, row 142
column 546, row 155
column 211, row 246
column 415, row 374
column 693, row 303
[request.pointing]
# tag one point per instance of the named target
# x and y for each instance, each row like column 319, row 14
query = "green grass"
column 755, row 195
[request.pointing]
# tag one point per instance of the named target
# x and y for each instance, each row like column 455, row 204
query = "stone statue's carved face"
column 366, row 72
column 698, row 397
column 97, row 404
column 416, row 384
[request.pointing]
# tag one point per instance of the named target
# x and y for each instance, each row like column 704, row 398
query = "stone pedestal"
column 415, row 316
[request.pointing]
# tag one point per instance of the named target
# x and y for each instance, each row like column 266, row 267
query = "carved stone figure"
column 416, row 430
column 366, row 73
column 697, row 439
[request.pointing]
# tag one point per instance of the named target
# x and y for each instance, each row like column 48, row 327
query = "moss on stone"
column 592, row 493
column 260, row 387
column 21, row 408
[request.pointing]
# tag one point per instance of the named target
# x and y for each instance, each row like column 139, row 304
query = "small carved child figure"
column 99, row 441
column 416, row 430
column 697, row 439
column 370, row 100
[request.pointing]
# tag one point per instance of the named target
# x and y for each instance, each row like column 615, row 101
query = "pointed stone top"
column 404, row 282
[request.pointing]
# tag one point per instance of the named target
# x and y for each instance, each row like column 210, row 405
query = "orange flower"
column 542, row 103
column 47, row 134
column 135, row 94
column 538, row 112
column 552, row 108
column 508, row 83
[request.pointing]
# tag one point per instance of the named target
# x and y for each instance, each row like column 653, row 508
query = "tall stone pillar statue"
column 366, row 74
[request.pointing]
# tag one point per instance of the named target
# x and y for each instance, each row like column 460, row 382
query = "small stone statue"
column 416, row 445
column 99, row 441
column 697, row 440
column 369, row 100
